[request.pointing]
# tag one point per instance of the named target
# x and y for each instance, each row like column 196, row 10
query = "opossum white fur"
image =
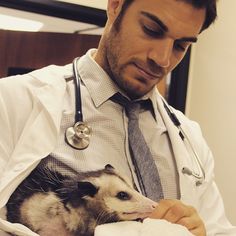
column 52, row 204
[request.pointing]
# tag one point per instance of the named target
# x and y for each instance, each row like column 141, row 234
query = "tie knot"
column 132, row 108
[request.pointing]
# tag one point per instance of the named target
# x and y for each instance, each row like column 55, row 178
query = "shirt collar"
column 96, row 80
column 101, row 87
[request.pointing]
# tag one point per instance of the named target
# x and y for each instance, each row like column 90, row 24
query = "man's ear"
column 113, row 9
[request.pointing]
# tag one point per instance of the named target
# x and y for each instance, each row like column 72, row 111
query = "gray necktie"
column 145, row 167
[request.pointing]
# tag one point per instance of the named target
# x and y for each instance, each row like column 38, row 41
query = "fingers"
column 176, row 212
column 200, row 231
column 171, row 210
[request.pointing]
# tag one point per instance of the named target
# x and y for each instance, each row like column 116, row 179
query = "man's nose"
column 160, row 52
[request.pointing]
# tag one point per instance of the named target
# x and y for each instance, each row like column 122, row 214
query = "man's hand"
column 177, row 212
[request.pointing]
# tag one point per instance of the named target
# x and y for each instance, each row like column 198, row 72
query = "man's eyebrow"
column 156, row 20
column 165, row 28
column 188, row 39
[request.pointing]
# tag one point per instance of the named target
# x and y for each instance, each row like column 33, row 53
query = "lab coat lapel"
column 187, row 184
column 40, row 133
column 52, row 94
column 48, row 102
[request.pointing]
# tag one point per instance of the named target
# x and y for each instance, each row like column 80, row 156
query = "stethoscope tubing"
column 200, row 176
column 78, row 100
column 78, row 136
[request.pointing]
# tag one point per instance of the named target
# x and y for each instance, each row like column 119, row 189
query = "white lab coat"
column 30, row 115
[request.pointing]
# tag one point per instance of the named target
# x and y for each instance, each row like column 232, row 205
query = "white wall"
column 211, row 97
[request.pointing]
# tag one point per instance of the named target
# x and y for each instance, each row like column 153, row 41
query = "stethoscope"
column 78, row 136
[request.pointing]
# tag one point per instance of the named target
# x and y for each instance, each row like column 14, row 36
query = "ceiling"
column 101, row 4
column 90, row 10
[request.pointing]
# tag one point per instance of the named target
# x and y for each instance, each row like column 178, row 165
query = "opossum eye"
column 123, row 196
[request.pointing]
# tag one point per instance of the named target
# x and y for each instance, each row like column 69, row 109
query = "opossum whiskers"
column 28, row 186
column 40, row 189
column 50, row 176
column 31, row 189
column 104, row 217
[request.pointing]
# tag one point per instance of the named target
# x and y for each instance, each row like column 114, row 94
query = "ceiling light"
column 19, row 24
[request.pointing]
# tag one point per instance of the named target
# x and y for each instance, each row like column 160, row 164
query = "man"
column 142, row 42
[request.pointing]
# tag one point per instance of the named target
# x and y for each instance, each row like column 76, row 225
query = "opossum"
column 50, row 203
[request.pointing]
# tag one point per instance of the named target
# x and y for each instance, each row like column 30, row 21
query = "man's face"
column 151, row 40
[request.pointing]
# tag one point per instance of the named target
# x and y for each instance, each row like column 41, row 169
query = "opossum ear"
column 109, row 167
column 86, row 189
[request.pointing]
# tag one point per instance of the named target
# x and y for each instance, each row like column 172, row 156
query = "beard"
column 125, row 74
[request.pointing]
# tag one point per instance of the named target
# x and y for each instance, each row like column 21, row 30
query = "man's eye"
column 151, row 32
column 180, row 46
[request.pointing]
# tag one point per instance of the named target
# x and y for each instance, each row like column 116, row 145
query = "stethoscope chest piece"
column 78, row 136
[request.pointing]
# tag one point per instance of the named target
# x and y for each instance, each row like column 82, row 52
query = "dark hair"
column 209, row 5
column 118, row 20
column 211, row 11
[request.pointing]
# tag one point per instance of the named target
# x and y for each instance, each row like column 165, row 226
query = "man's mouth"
column 148, row 74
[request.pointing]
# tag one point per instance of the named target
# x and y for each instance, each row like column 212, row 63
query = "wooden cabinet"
column 30, row 50
column 24, row 51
